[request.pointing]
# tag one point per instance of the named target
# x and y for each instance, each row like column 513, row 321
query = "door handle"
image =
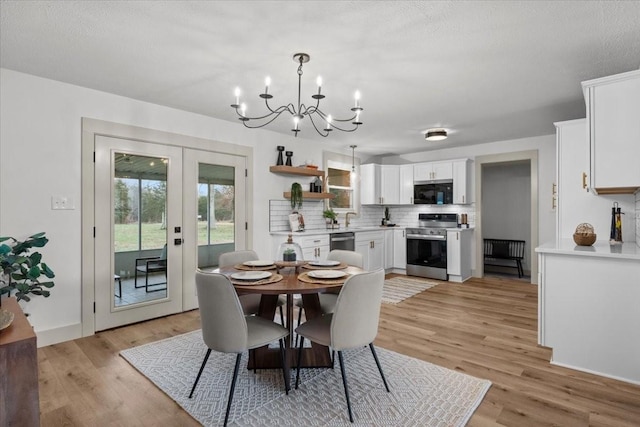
column 584, row 180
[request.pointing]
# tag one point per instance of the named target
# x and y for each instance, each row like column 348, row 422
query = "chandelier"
column 325, row 122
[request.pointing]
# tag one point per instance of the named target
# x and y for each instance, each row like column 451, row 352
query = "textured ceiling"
column 485, row 70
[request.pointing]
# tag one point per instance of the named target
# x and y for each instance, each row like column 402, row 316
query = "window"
column 341, row 183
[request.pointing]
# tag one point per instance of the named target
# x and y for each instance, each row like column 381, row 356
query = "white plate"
column 326, row 274
column 251, row 275
column 324, row 263
column 258, row 263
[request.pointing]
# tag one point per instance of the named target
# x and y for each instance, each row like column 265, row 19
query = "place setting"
column 324, row 276
column 254, row 265
column 257, row 277
column 325, row 265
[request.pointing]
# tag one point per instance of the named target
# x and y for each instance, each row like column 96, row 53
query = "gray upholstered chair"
column 250, row 302
column 353, row 323
column 225, row 328
column 328, row 300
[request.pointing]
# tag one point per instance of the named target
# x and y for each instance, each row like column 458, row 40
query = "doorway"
column 156, row 206
column 486, row 207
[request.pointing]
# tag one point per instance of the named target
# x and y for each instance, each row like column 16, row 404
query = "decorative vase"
column 280, row 161
column 289, row 154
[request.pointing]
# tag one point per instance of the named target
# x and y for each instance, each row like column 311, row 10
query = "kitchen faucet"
column 346, row 221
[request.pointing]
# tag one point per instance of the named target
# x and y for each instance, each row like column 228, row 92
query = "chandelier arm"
column 275, row 116
column 324, row 135
column 277, row 112
column 321, row 113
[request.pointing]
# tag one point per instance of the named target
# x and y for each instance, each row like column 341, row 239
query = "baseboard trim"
column 602, row 374
column 58, row 335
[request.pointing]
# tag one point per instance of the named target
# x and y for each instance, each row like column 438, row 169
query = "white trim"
column 57, row 335
column 590, row 371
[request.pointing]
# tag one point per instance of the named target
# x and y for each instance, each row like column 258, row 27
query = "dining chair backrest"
column 224, row 327
column 236, row 257
column 357, row 312
column 348, row 257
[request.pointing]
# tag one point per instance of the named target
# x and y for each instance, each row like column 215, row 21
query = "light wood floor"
column 485, row 328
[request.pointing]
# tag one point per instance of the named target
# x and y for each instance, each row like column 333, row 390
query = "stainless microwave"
column 433, row 193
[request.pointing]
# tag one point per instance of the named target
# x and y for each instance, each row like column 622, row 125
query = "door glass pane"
column 140, row 228
column 216, row 212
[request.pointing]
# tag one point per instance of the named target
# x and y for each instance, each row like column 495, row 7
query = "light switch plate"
column 62, row 203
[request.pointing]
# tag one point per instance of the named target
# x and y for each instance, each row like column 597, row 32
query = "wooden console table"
column 19, row 397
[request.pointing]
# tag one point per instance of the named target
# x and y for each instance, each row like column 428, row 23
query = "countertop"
column 627, row 250
column 322, row 231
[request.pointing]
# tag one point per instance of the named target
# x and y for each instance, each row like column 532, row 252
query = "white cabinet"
column 389, row 184
column 399, row 249
column 461, row 181
column 370, row 244
column 613, row 117
column 381, row 184
column 432, row 171
column 459, row 254
column 370, row 184
column 575, row 205
column 388, row 249
column 314, row 247
column 406, row 185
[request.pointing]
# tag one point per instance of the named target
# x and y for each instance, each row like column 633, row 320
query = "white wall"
column 40, row 137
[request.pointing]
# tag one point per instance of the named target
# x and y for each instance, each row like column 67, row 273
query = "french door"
column 161, row 211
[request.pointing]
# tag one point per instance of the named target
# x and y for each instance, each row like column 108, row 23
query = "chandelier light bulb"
column 319, row 82
column 243, row 109
column 296, row 120
column 237, row 94
column 357, row 98
column 267, row 83
column 329, row 121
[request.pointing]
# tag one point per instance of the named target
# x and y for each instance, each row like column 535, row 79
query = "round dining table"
column 312, row 357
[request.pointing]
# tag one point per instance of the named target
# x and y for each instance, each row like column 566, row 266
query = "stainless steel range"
column 427, row 245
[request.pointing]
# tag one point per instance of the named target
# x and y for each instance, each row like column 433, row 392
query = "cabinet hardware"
column 458, row 235
column 463, row 202
column 553, row 202
column 584, row 180
column 553, row 188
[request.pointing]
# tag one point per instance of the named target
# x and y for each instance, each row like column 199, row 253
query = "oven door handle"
column 425, row 237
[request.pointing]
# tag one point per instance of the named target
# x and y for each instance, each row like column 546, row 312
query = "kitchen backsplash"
column 369, row 216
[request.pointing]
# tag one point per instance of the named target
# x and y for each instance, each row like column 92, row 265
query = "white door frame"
column 92, row 128
column 532, row 156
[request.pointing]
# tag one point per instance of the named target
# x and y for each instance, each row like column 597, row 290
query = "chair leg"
column 285, row 371
column 375, row 357
column 204, row 362
column 520, row 269
column 344, row 382
column 233, row 387
column 135, row 279
column 299, row 361
column 282, row 317
column 299, row 320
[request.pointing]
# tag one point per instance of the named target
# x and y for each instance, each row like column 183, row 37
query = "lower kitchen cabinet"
column 400, row 249
column 313, row 247
column 459, row 254
column 370, row 245
column 388, row 249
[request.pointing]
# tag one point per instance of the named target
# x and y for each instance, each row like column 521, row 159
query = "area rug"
column 422, row 394
column 397, row 289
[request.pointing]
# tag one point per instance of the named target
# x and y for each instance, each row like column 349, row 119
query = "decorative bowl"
column 584, row 239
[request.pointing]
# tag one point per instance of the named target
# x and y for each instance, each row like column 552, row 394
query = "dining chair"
column 353, row 323
column 225, row 327
column 250, row 302
column 148, row 265
column 327, row 299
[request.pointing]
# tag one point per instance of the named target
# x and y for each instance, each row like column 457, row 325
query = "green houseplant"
column 296, row 195
column 330, row 214
column 23, row 270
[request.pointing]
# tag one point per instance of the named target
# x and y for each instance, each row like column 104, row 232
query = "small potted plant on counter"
column 330, row 217
column 289, row 255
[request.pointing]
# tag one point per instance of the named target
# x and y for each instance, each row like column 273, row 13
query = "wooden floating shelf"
column 292, row 170
column 309, row 195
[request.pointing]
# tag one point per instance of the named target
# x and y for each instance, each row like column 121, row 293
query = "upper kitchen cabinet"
column 461, row 182
column 613, row 117
column 384, row 185
column 432, row 171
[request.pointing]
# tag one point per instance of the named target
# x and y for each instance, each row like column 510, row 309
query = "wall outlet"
column 62, row 203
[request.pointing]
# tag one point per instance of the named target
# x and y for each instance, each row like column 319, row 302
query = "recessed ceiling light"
column 435, row 135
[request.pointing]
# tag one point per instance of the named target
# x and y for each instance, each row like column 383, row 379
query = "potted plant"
column 296, row 195
column 387, row 216
column 23, row 271
column 329, row 215
column 289, row 255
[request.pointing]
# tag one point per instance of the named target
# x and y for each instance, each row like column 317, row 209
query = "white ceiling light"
column 435, row 135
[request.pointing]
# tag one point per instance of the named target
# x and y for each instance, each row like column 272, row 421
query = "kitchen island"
column 589, row 307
